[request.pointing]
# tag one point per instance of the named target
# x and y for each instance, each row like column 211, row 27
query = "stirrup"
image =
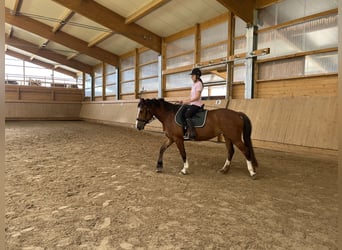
column 186, row 137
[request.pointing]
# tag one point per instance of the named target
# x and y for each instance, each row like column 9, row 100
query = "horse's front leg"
column 180, row 145
column 163, row 148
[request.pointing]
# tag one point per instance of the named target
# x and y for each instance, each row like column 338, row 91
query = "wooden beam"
column 220, row 74
column 11, row 31
column 100, row 14
column 63, row 38
column 44, row 44
column 242, row 8
column 17, row 6
column 145, row 10
column 64, row 18
column 40, row 63
column 48, row 54
column 264, row 3
column 100, row 38
column 72, row 56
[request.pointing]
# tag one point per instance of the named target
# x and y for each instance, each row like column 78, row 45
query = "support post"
column 160, row 78
column 117, row 89
column 251, row 39
column 230, row 51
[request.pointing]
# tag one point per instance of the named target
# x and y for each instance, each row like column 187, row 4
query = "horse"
column 235, row 127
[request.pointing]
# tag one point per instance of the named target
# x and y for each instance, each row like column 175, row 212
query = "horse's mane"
column 160, row 102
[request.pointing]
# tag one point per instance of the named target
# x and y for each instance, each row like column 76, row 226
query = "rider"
column 193, row 103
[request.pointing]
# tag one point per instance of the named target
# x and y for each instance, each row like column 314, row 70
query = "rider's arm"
column 192, row 99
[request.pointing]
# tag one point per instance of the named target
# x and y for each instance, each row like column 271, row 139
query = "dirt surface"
column 77, row 185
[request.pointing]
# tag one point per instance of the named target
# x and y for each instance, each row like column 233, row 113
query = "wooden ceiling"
column 78, row 34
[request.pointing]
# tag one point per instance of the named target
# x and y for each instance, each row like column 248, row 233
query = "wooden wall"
column 117, row 112
column 18, row 110
column 36, row 93
column 292, row 123
column 323, row 85
column 40, row 103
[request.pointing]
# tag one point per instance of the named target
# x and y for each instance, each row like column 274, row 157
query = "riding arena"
column 95, row 155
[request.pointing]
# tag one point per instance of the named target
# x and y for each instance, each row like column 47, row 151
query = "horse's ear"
column 141, row 101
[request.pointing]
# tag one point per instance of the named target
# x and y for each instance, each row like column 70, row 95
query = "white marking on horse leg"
column 226, row 166
column 136, row 121
column 185, row 167
column 250, row 168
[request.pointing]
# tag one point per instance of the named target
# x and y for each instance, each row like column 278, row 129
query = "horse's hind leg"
column 244, row 149
column 165, row 145
column 230, row 152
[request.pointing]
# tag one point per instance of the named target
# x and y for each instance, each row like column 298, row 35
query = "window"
column 87, row 85
column 214, row 42
column 127, row 75
column 111, row 80
column 148, row 71
column 180, row 52
column 26, row 73
column 300, row 44
column 98, row 80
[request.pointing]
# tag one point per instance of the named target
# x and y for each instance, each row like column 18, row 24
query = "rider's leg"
column 190, row 135
column 190, row 112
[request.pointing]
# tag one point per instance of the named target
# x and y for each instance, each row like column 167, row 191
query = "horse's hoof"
column 223, row 171
column 183, row 172
column 159, row 170
column 254, row 176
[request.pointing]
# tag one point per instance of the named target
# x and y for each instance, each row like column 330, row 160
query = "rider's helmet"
column 196, row 71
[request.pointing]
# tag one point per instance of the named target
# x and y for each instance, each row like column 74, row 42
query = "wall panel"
column 309, row 122
column 25, row 110
column 35, row 93
column 308, row 86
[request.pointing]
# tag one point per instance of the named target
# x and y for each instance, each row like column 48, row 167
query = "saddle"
column 198, row 120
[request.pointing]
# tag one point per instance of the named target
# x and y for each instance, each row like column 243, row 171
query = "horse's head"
column 145, row 114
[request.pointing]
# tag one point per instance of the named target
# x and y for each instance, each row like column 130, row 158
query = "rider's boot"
column 190, row 133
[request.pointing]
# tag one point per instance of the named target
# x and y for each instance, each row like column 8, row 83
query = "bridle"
column 145, row 121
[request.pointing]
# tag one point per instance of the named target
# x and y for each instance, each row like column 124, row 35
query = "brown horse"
column 234, row 126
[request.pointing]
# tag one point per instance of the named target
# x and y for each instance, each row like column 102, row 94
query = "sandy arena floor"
column 77, row 185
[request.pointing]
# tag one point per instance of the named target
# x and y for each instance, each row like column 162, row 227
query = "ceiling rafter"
column 73, row 55
column 60, row 37
column 44, row 44
column 40, row 63
column 64, row 18
column 106, row 17
column 48, row 54
column 100, row 38
column 264, row 3
column 145, row 10
column 242, row 8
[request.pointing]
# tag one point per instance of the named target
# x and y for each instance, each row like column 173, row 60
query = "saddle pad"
column 198, row 120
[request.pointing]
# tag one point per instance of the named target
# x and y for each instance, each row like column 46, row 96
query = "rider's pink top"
column 197, row 86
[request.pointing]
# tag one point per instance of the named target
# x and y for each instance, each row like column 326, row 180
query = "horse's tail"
column 247, row 131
